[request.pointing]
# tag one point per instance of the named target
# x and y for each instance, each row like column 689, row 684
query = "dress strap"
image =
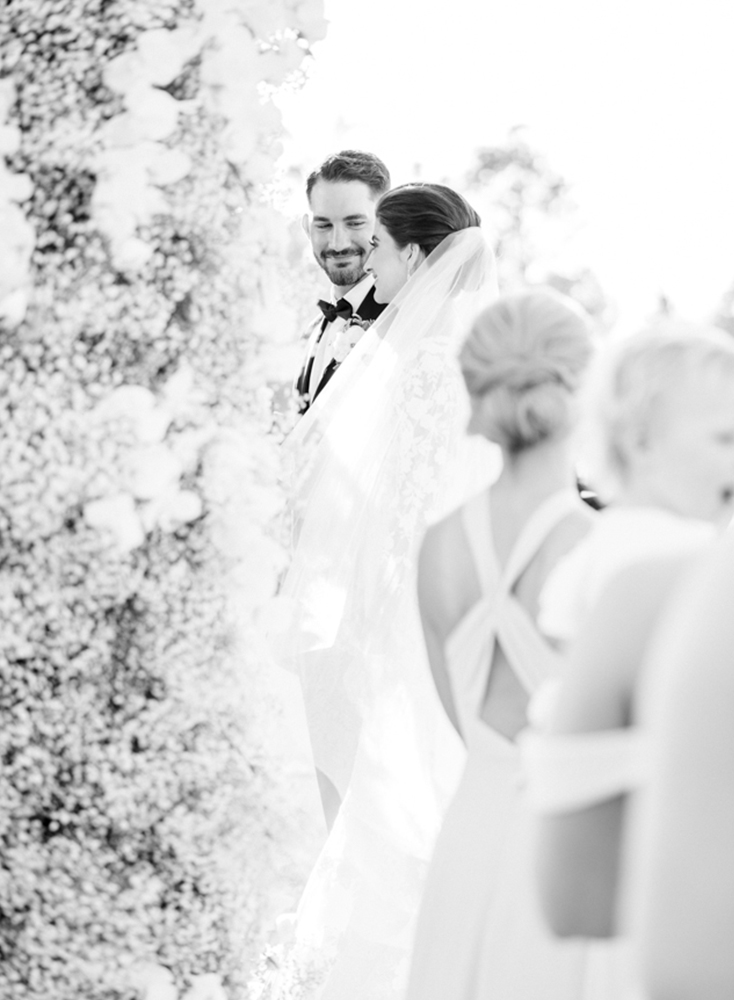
column 536, row 529
column 532, row 658
column 498, row 615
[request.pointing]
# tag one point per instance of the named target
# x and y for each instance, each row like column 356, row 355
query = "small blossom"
column 140, row 494
column 154, row 982
column 205, row 987
column 9, row 140
column 349, row 336
column 151, row 470
column 117, row 516
column 132, row 254
column 139, row 408
column 13, row 307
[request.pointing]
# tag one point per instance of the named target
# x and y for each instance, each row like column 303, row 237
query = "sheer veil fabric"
column 381, row 453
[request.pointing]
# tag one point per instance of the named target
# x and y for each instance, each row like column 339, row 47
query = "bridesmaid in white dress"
column 686, row 863
column 664, row 404
column 482, row 568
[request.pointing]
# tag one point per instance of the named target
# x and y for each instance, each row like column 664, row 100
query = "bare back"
column 450, row 587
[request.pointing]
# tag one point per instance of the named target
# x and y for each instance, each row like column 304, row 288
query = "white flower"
column 153, row 982
column 281, row 361
column 113, row 219
column 7, row 96
column 277, row 65
column 117, row 515
column 151, row 471
column 205, row 987
column 167, row 166
column 9, row 139
column 178, row 389
column 228, row 463
column 163, row 52
column 138, row 406
column 240, row 141
column 132, row 254
column 188, row 445
column 233, row 60
column 13, row 307
column 274, row 321
column 13, row 261
column 265, row 19
column 126, row 194
column 310, row 20
column 171, row 509
column 17, row 187
column 255, row 577
column 350, row 334
column 122, row 72
column 155, row 111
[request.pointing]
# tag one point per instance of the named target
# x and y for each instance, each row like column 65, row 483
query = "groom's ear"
column 306, row 223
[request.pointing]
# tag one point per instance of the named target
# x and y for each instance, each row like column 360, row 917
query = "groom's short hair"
column 352, row 165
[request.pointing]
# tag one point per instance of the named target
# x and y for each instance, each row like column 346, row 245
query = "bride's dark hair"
column 424, row 214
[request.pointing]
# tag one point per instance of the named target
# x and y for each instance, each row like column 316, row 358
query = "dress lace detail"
column 380, row 453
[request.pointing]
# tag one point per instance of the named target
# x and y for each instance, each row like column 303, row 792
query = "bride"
column 381, row 454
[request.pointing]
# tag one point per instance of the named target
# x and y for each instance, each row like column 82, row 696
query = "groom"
column 342, row 194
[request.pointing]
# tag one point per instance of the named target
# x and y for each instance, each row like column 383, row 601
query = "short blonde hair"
column 625, row 384
column 527, row 352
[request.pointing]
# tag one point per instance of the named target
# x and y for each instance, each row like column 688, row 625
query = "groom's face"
column 340, row 227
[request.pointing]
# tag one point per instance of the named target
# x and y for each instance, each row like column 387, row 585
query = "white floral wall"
column 139, row 267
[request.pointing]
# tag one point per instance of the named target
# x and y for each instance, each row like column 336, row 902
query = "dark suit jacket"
column 368, row 309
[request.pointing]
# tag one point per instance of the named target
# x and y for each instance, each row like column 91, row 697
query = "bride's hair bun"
column 424, row 214
column 526, row 354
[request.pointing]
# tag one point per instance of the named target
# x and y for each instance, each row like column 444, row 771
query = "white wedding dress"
column 380, row 454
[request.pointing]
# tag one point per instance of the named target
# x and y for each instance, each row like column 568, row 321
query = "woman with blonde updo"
column 481, row 573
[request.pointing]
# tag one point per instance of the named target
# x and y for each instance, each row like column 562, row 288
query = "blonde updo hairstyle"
column 625, row 385
column 526, row 354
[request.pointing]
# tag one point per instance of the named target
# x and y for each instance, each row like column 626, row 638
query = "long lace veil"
column 381, row 452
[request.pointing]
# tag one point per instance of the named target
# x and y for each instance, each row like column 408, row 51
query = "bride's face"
column 389, row 264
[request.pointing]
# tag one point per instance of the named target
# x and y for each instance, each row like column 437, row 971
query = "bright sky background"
column 632, row 101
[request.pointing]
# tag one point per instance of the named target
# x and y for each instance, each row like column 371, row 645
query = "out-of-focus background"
column 628, row 103
column 160, row 815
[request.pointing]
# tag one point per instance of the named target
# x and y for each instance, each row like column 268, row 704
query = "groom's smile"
column 340, row 228
column 342, row 258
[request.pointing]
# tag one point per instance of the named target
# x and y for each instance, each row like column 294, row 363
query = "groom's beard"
column 343, row 267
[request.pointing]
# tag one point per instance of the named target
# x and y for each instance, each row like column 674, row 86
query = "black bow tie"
column 330, row 311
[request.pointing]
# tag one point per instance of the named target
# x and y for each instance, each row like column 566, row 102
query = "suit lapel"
column 368, row 309
column 301, row 384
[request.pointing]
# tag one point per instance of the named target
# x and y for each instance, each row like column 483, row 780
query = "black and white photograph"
column 367, row 508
